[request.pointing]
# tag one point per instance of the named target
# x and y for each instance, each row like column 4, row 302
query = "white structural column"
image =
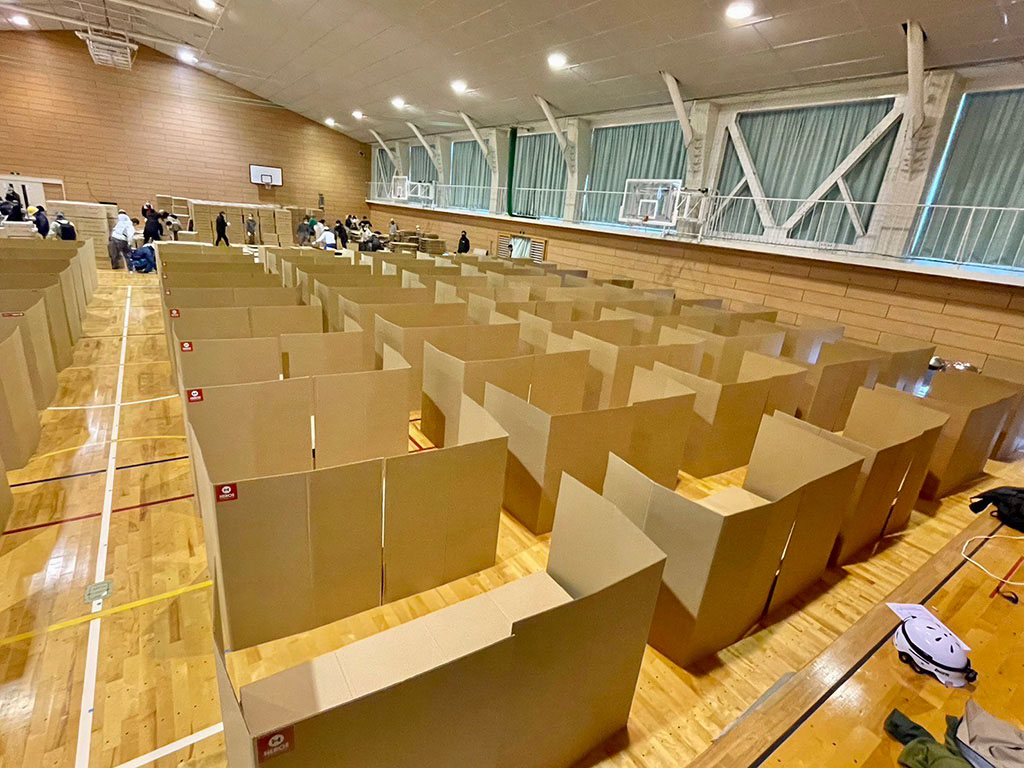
column 915, row 75
column 579, row 133
column 431, row 151
column 750, row 175
column 499, row 139
column 443, row 149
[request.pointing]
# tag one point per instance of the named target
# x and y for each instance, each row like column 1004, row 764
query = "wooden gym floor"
column 143, row 656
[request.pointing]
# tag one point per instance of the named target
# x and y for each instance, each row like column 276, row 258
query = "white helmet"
column 931, row 649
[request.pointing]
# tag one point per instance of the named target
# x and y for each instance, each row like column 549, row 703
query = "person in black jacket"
column 154, row 230
column 12, row 196
column 41, row 221
column 340, row 234
column 17, row 213
column 463, row 243
column 222, row 229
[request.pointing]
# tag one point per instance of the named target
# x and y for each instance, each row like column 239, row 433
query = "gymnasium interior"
column 511, row 383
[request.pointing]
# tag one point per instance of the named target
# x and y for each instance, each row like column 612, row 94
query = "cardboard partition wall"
column 363, row 304
column 408, row 337
column 78, row 255
column 297, row 493
column 172, row 280
column 787, row 380
column 722, row 556
column 723, row 354
column 244, row 267
column 552, row 382
column 422, row 695
column 6, row 497
column 614, row 364
column 217, row 362
column 22, row 288
column 724, row 322
column 790, row 461
column 832, row 382
column 647, row 328
column 803, row 341
column 907, row 361
column 325, row 283
column 725, row 423
column 447, row 290
column 978, row 408
column 231, row 297
column 535, row 330
column 70, row 285
column 19, row 420
column 877, row 412
column 543, row 445
column 28, row 312
column 306, row 274
column 318, row 354
column 663, row 410
column 1011, row 439
column 498, row 278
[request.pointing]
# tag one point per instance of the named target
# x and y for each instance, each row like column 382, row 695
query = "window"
column 420, row 167
column 471, row 177
column 539, row 177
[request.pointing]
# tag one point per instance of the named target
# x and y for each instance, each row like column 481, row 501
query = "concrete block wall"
column 162, row 128
column 966, row 320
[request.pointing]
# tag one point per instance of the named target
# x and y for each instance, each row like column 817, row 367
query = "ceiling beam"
column 479, row 139
column 430, row 151
column 81, row 24
column 385, row 147
column 915, row 75
column 166, row 12
column 677, row 102
column 563, row 142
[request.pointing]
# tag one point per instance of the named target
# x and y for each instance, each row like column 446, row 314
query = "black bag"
column 1008, row 503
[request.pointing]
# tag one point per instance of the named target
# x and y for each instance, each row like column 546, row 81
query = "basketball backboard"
column 650, row 202
column 267, row 175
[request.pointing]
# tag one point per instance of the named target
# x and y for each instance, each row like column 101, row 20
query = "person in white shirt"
column 121, row 238
column 318, row 228
column 326, row 239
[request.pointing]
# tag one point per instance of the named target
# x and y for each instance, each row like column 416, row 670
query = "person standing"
column 41, row 221
column 63, row 227
column 153, row 231
column 317, row 227
column 302, row 232
column 392, row 229
column 173, row 225
column 121, row 237
column 463, row 243
column 250, row 230
column 326, row 239
column 340, row 234
column 221, row 226
column 147, row 209
column 12, row 196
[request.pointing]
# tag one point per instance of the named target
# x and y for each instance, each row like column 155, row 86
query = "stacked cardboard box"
column 164, row 202
column 284, row 226
column 179, row 207
column 91, row 220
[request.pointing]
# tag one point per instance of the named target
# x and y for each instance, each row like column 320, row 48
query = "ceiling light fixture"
column 557, row 61
column 187, row 57
column 740, row 10
column 459, row 86
column 19, row 20
column 207, row 5
column 398, row 102
column 329, row 122
column 357, row 115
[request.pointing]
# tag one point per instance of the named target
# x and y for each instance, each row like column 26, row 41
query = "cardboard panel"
column 21, row 288
column 19, row 420
column 663, row 410
column 787, row 380
column 274, row 321
column 1011, row 439
column 216, row 362
column 722, row 555
column 361, row 415
column 28, row 312
column 314, row 354
column 535, row 330
column 803, row 340
column 6, row 497
column 907, row 363
column 70, row 285
column 789, row 460
column 723, row 355
column 253, row 430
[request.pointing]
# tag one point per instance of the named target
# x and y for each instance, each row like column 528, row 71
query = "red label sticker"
column 186, row 346
column 195, row 395
column 276, row 743
column 175, row 313
column 227, row 492
column 12, row 314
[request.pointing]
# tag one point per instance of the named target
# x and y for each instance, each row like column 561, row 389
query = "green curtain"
column 382, row 171
column 420, row 167
column 471, row 177
column 621, row 152
column 539, row 178
column 983, row 166
column 794, row 150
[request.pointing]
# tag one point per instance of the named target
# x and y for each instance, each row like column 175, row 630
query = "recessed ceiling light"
column 459, row 86
column 19, row 20
column 398, row 102
column 187, row 57
column 357, row 115
column 740, row 10
column 207, row 5
column 557, row 61
column 329, row 121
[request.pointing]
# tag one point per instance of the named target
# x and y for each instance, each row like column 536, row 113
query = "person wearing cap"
column 39, row 218
column 119, row 246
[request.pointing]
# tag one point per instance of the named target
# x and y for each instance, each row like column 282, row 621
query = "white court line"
column 174, row 746
column 107, row 405
column 92, row 653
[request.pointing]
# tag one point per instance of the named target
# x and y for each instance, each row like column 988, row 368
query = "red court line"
column 91, row 515
column 1007, row 577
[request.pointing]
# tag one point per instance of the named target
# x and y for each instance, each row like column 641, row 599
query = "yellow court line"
column 107, row 442
column 86, row 618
